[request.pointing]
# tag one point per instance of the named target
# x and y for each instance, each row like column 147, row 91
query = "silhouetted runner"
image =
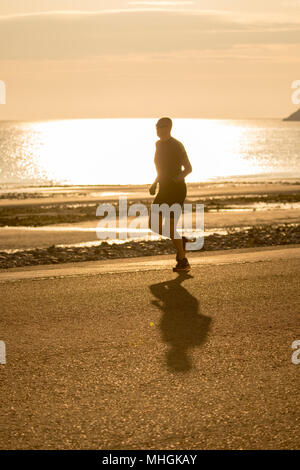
column 170, row 157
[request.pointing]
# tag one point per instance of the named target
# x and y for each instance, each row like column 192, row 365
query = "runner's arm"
column 185, row 163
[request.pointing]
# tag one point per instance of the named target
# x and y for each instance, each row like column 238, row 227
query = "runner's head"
column 163, row 128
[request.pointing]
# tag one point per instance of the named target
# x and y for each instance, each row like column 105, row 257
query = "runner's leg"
column 175, row 237
column 151, row 225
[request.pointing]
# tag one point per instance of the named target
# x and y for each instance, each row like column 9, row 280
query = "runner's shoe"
column 182, row 265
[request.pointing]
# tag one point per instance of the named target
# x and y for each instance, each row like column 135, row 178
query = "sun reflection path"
column 121, row 151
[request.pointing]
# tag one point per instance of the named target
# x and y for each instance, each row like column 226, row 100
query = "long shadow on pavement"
column 182, row 325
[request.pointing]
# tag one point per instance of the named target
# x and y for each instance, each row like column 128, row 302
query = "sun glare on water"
column 121, row 151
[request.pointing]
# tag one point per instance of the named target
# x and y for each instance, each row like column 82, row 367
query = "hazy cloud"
column 77, row 35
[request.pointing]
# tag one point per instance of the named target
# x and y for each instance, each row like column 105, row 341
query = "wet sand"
column 85, row 232
column 87, row 194
column 67, row 215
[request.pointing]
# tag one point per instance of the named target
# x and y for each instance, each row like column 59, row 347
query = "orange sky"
column 115, row 58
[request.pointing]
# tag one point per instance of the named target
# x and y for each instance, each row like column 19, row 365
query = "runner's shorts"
column 171, row 193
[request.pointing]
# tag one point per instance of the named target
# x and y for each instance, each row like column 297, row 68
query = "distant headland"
column 293, row 117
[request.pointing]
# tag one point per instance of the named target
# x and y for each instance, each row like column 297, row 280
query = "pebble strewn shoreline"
column 266, row 235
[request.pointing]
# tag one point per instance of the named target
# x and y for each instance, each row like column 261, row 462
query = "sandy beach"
column 37, row 221
column 200, row 361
